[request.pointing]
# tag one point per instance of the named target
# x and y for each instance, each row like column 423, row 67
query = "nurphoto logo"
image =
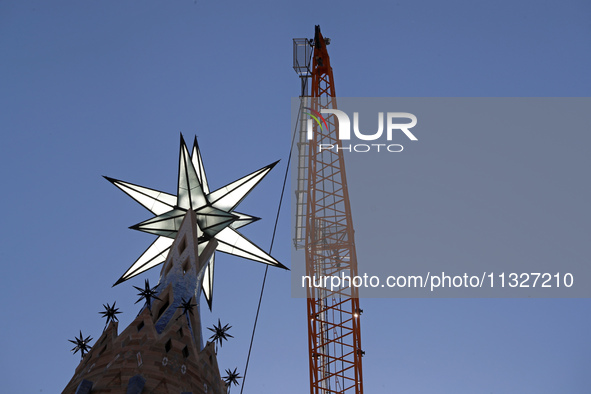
column 395, row 122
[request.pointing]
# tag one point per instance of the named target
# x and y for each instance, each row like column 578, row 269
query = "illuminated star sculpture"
column 216, row 217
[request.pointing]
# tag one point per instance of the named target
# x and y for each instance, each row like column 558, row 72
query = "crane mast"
column 324, row 229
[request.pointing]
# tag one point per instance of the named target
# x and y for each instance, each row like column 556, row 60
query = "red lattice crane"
column 324, row 229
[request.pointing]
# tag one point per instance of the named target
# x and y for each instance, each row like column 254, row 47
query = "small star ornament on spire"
column 187, row 308
column 110, row 313
column 219, row 333
column 147, row 294
column 232, row 377
column 215, row 212
column 81, row 344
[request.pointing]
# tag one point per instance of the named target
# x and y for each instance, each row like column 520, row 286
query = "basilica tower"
column 162, row 350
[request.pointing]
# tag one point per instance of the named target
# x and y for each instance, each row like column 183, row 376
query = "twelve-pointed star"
column 215, row 214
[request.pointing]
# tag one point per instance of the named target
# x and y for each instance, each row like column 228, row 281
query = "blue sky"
column 95, row 88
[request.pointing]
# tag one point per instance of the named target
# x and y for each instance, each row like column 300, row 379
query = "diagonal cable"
column 272, row 241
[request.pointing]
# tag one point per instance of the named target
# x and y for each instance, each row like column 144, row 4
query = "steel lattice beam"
column 334, row 336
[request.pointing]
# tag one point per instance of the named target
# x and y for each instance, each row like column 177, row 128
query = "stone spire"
column 162, row 350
